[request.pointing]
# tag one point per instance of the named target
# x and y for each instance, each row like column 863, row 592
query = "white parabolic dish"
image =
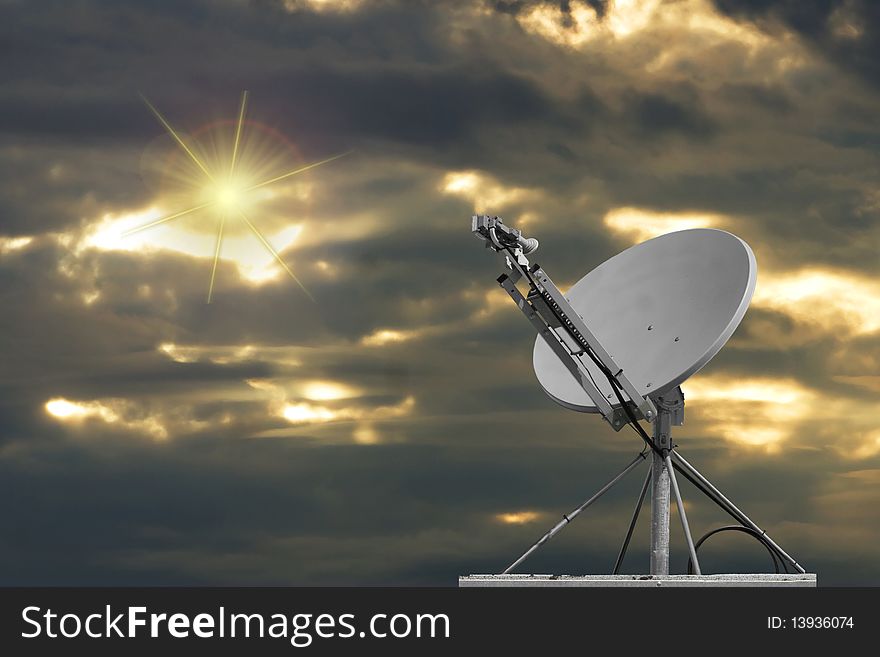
column 662, row 309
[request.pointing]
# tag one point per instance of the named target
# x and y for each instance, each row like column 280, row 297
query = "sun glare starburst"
column 225, row 187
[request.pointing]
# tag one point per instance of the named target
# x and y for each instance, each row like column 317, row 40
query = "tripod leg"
column 716, row 496
column 681, row 514
column 571, row 516
column 632, row 525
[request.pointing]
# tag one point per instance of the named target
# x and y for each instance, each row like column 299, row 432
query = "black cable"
column 589, row 373
column 736, row 528
column 708, row 493
column 632, row 421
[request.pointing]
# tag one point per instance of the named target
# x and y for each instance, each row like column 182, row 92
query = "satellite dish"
column 662, row 309
column 620, row 342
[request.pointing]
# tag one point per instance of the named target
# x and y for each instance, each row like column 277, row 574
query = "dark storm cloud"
column 266, row 516
column 84, row 120
column 844, row 30
column 655, row 115
column 772, row 99
column 47, row 190
column 519, row 6
column 433, row 109
column 237, row 494
column 342, row 85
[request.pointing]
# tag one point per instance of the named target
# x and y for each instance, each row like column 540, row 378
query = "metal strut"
column 718, row 497
column 681, row 514
column 632, row 525
column 567, row 518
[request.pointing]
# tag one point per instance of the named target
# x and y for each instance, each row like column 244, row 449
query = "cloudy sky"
column 377, row 421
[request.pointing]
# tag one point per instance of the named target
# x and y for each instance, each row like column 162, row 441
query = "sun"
column 222, row 188
column 228, row 197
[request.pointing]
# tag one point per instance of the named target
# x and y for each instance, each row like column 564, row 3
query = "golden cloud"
column 298, row 403
column 382, row 337
column 640, row 225
column 230, row 354
column 10, row 244
column 255, row 264
column 517, row 517
column 328, row 391
column 836, row 301
column 487, row 193
column 757, row 412
column 120, row 412
column 302, row 412
column 770, row 413
column 324, row 6
column 580, row 26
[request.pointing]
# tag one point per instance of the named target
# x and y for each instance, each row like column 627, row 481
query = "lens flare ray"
column 178, row 138
column 163, row 220
column 227, row 192
column 216, row 257
column 272, row 250
column 244, row 96
column 296, row 171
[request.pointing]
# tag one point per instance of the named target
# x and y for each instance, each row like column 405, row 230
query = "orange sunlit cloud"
column 328, row 391
column 517, row 517
column 319, row 402
column 337, row 6
column 640, row 225
column 486, row 193
column 579, row 25
column 757, row 412
column 771, row 413
column 382, row 337
column 109, row 411
column 228, row 354
column 303, row 412
column 10, row 244
column 833, row 300
column 254, row 263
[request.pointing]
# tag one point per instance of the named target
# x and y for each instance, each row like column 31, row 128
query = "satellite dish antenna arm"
column 547, row 308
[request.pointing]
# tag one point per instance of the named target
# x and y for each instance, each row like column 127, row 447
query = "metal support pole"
column 632, row 525
column 683, row 516
column 730, row 507
column 660, row 495
column 567, row 518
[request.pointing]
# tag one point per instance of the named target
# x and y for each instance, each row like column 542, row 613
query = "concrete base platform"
column 639, row 581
